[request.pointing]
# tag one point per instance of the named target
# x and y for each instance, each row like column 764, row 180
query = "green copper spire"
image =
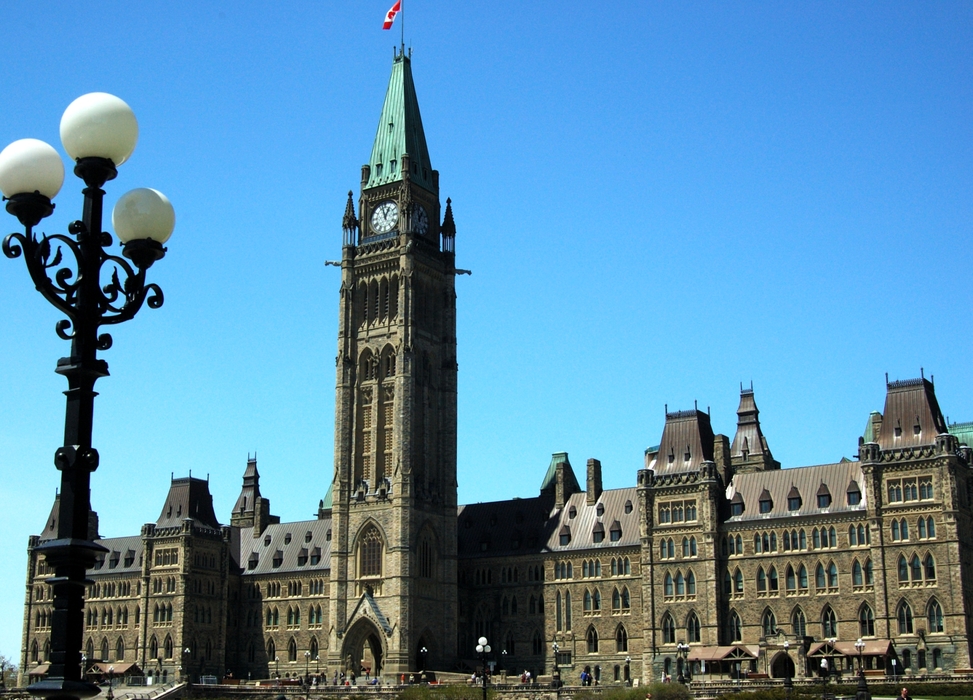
column 400, row 132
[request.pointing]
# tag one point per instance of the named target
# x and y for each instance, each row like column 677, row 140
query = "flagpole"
column 402, row 23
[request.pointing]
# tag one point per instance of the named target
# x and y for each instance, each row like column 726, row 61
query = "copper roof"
column 807, row 481
column 687, row 442
column 286, row 543
column 912, row 416
column 188, row 498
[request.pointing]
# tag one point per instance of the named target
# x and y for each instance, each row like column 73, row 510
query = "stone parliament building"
column 715, row 562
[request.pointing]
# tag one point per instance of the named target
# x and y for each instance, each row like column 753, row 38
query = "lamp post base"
column 862, row 692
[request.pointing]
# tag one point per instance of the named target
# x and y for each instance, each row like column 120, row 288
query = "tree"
column 8, row 673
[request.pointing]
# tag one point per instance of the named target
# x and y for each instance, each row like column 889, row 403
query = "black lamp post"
column 187, row 675
column 483, row 648
column 277, row 666
column 862, row 692
column 111, row 678
column 788, row 683
column 422, row 662
column 98, row 132
column 556, row 673
column 682, row 651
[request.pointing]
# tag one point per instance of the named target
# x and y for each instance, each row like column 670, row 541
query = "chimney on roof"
column 565, row 482
column 594, row 481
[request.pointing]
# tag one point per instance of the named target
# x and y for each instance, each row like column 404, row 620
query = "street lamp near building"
column 93, row 287
column 277, row 667
column 111, row 679
column 682, row 653
column 862, row 692
column 628, row 669
column 483, row 649
column 788, row 683
column 186, row 675
column 556, row 673
column 824, row 678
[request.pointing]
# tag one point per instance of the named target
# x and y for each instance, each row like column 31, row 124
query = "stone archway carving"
column 363, row 646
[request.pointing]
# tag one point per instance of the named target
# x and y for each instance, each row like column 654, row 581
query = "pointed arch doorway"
column 782, row 666
column 362, row 650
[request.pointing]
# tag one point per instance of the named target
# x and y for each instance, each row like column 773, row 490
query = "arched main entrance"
column 363, row 649
column 782, row 666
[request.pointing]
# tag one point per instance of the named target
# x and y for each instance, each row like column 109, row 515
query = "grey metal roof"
column 807, row 480
column 306, row 535
column 531, row 525
column 124, row 556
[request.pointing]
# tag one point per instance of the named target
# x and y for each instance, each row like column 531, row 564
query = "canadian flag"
column 390, row 15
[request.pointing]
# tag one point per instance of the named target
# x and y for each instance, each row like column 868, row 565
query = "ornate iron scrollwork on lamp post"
column 93, row 288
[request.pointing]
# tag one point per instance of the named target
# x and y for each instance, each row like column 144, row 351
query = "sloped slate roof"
column 807, row 480
column 531, row 525
column 120, row 551
column 274, row 539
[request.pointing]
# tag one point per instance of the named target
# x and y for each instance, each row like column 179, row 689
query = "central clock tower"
column 393, row 563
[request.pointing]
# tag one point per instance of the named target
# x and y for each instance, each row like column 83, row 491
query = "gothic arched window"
column 370, row 553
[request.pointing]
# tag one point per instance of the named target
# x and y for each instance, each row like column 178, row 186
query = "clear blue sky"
column 657, row 200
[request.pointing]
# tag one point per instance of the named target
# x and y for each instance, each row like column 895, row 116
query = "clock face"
column 420, row 221
column 385, row 217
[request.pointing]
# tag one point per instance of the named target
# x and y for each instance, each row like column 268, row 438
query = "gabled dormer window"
column 267, row 541
column 736, row 505
column 766, row 502
column 794, row 499
column 598, row 533
column 615, row 532
column 278, row 559
column 600, row 510
column 824, row 497
column 854, row 494
column 253, row 561
column 564, row 536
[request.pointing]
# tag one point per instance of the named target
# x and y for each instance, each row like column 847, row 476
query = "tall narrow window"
column 370, row 554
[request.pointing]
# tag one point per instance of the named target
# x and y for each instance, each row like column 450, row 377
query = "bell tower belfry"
column 393, row 561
